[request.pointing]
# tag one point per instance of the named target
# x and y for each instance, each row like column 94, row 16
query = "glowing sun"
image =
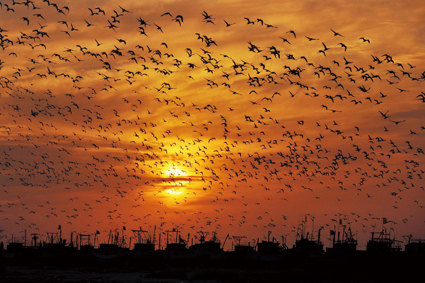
column 174, row 192
column 175, row 172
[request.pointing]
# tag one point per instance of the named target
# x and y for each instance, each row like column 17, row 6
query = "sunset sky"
column 237, row 117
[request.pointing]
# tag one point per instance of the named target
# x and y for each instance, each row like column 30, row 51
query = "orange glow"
column 103, row 126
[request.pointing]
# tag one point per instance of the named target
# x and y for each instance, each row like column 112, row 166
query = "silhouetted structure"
column 307, row 255
column 382, row 243
column 305, row 243
column 268, row 247
column 206, row 247
column 344, row 244
column 175, row 243
column 415, row 246
column 144, row 242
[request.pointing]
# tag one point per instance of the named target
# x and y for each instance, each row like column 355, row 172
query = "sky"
column 234, row 117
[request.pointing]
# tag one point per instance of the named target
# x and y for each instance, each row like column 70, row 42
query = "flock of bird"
column 97, row 103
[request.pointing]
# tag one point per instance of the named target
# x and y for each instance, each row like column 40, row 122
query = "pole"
column 154, row 232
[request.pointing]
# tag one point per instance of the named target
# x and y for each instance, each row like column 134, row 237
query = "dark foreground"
column 72, row 266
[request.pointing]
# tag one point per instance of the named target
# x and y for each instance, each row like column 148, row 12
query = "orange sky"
column 186, row 127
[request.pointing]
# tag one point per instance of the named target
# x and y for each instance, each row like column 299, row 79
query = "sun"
column 175, row 186
column 174, row 192
column 175, row 172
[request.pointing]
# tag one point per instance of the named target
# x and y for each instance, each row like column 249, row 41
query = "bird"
column 249, row 21
column 343, row 46
column 25, row 19
column 228, row 24
column 310, row 38
column 336, row 33
column 293, row 33
column 179, row 19
column 384, row 115
column 421, row 97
